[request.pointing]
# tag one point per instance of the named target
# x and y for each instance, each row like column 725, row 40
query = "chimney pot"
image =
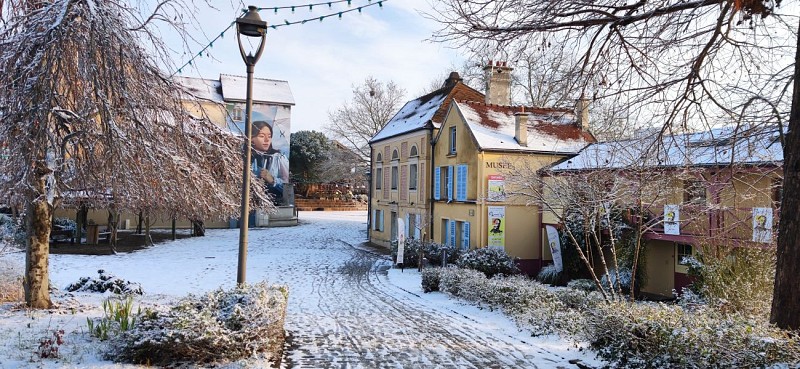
column 582, row 113
column 521, row 127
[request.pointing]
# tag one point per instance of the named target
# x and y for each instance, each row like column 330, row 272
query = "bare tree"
column 685, row 64
column 372, row 105
column 92, row 120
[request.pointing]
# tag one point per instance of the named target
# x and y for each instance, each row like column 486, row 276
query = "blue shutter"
column 461, row 186
column 452, row 239
column 450, row 183
column 465, row 236
column 437, row 183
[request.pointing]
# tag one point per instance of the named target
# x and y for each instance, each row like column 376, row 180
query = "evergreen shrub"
column 105, row 283
column 489, row 261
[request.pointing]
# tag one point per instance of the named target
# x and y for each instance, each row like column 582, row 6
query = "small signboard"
column 672, row 219
column 401, row 240
column 762, row 225
column 497, row 226
column 496, row 188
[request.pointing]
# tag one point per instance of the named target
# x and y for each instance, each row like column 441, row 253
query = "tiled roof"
column 425, row 112
column 757, row 145
column 550, row 130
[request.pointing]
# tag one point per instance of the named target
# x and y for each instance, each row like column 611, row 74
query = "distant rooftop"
column 230, row 88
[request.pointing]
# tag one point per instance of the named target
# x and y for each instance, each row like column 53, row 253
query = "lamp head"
column 250, row 24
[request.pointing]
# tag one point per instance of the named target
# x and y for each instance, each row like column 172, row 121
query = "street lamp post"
column 250, row 25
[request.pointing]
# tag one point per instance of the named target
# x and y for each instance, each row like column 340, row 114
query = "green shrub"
column 667, row 336
column 105, row 283
column 430, row 279
column 490, row 261
column 223, row 325
column 431, row 251
column 582, row 284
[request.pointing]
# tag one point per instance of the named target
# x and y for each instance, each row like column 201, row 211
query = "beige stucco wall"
column 388, row 200
column 100, row 217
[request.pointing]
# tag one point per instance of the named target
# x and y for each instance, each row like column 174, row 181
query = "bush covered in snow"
column 625, row 278
column 105, row 283
column 582, row 284
column 65, row 223
column 223, row 325
column 490, row 261
column 11, row 231
column 667, row 336
column 430, row 279
column 431, row 250
column 549, row 275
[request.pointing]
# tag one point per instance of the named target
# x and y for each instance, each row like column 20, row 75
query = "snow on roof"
column 549, row 130
column 234, row 88
column 756, row 145
column 201, row 88
column 429, row 109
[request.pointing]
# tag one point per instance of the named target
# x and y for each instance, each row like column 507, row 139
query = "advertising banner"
column 497, row 226
column 270, row 144
column 555, row 247
column 496, row 188
column 401, row 240
column 762, row 225
column 672, row 219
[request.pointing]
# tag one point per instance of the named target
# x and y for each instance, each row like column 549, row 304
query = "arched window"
column 395, row 156
column 414, row 151
column 379, row 158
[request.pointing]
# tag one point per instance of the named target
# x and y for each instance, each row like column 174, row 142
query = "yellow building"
column 400, row 164
column 476, row 145
column 722, row 190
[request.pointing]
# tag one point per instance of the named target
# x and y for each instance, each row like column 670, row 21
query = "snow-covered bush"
column 430, row 279
column 11, row 231
column 549, row 275
column 667, row 336
column 490, row 261
column 625, row 278
column 582, row 284
column 431, row 251
column 65, row 223
column 105, row 283
column 221, row 326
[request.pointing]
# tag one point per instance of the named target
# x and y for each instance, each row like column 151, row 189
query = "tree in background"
column 308, row 150
column 683, row 64
column 372, row 105
column 90, row 118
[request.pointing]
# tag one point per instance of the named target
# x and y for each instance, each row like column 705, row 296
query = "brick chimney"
column 582, row 113
column 498, row 83
column 452, row 79
column 521, row 127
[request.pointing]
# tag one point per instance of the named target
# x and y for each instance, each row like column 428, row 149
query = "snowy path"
column 346, row 309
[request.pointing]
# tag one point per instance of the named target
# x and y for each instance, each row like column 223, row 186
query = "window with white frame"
column 377, row 220
column 378, row 178
column 452, row 140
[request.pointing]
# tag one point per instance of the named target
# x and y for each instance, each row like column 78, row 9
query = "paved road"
column 344, row 313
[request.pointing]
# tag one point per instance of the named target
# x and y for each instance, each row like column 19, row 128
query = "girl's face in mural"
column 262, row 140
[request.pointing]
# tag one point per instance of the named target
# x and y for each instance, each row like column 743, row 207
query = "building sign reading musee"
column 499, row 165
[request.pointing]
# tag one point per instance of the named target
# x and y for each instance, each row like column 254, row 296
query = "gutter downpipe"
column 369, row 204
column 433, row 182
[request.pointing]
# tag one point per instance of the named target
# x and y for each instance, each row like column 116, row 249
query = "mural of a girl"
column 268, row 162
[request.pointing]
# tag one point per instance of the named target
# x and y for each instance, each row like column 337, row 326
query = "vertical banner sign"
column 555, row 247
column 496, row 188
column 497, row 226
column 762, row 225
column 401, row 240
column 672, row 219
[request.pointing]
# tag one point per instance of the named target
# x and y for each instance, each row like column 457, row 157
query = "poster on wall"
column 401, row 240
column 762, row 225
column 672, row 219
column 270, row 145
column 555, row 247
column 497, row 226
column 496, row 188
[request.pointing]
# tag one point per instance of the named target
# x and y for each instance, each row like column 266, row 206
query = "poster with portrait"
column 496, row 188
column 672, row 219
column 269, row 141
column 497, row 226
column 762, row 225
column 555, row 247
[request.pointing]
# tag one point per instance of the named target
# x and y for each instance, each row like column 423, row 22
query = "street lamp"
column 250, row 25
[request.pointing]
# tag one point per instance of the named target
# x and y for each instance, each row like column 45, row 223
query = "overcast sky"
column 323, row 60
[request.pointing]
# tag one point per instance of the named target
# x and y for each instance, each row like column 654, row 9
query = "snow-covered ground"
column 347, row 309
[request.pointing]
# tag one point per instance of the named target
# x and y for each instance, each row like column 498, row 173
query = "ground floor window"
column 377, row 220
column 683, row 251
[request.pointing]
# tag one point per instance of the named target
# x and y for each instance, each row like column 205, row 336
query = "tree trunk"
column 174, row 231
column 139, row 224
column 38, row 218
column 148, row 239
column 786, row 298
column 198, row 228
column 113, row 220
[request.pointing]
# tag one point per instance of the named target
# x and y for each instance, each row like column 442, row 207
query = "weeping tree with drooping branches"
column 88, row 116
